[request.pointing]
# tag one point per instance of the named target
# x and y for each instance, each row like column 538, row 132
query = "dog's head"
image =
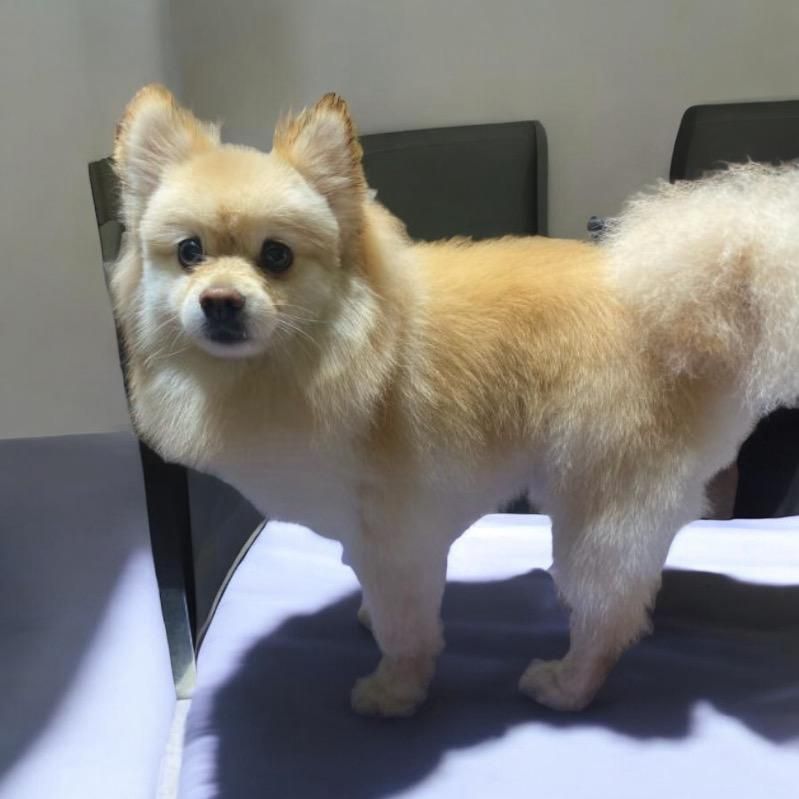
column 236, row 248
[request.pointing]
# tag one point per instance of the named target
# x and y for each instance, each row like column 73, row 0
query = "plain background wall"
column 609, row 81
column 67, row 68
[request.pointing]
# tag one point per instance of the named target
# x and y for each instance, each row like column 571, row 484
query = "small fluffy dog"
column 285, row 334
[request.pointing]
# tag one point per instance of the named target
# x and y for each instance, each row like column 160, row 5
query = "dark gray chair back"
column 198, row 525
column 478, row 180
column 710, row 136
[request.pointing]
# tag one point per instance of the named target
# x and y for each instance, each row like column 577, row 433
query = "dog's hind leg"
column 607, row 568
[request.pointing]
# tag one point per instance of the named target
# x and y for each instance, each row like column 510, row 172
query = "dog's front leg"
column 402, row 570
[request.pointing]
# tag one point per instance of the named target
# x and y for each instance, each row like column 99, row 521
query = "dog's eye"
column 190, row 252
column 276, row 257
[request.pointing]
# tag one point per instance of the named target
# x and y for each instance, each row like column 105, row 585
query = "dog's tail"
column 711, row 268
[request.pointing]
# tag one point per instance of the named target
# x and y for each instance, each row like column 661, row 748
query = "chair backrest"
column 105, row 193
column 710, row 136
column 198, row 525
column 476, row 180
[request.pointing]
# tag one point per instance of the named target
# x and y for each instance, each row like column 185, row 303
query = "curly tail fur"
column 712, row 268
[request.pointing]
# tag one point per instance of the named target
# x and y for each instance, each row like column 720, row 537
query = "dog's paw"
column 376, row 696
column 364, row 618
column 555, row 683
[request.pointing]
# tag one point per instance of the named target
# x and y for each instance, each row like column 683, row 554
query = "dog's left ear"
column 154, row 134
column 322, row 145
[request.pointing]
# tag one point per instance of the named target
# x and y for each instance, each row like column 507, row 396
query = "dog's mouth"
column 228, row 340
column 224, row 329
column 231, row 333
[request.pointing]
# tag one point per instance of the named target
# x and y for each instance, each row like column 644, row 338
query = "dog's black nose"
column 221, row 306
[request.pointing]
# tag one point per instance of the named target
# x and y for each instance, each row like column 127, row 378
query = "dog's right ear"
column 153, row 134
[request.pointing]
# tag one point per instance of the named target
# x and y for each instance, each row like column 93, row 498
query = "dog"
column 284, row 333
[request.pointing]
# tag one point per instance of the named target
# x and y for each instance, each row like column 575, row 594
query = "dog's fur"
column 391, row 392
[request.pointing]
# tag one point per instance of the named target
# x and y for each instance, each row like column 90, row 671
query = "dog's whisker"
column 166, row 350
column 304, row 319
column 286, row 325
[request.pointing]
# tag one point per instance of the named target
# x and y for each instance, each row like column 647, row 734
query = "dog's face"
column 239, row 249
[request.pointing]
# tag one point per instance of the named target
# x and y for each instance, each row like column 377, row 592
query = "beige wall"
column 608, row 79
column 66, row 70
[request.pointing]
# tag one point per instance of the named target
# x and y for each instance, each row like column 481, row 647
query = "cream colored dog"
column 284, row 334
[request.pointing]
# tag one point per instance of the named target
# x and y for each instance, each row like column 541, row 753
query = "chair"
column 478, row 180
column 710, row 136
column 198, row 525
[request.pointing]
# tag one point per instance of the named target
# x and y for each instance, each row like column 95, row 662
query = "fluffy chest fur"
column 292, row 478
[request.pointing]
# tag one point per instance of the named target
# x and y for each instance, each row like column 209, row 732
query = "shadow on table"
column 285, row 727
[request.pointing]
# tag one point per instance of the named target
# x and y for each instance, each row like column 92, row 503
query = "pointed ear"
column 322, row 145
column 153, row 134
